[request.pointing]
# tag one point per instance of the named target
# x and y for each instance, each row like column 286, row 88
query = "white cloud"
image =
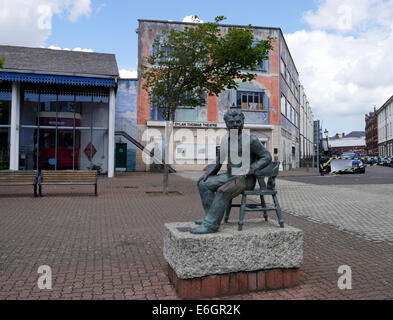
column 192, row 18
column 67, row 49
column 29, row 22
column 345, row 71
column 126, row 74
column 80, row 8
column 82, row 49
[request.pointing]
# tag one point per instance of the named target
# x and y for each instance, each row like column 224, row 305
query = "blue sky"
column 111, row 25
column 341, row 48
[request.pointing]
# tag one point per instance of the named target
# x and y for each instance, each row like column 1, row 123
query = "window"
column 283, row 106
column 63, row 128
column 282, row 67
column 158, row 46
column 5, row 121
column 264, row 66
column 250, row 100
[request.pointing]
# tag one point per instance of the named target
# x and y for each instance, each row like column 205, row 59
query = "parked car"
column 356, row 162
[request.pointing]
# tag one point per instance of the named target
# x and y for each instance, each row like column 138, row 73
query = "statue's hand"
column 204, row 177
column 251, row 171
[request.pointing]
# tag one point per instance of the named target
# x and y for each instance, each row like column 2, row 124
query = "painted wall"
column 126, row 116
column 266, row 82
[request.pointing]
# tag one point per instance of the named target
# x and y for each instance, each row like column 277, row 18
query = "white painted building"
column 385, row 128
column 306, row 126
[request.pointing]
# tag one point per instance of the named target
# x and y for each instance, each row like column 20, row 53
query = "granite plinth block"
column 260, row 246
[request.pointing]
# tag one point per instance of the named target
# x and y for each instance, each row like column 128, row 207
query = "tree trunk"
column 168, row 145
column 165, row 181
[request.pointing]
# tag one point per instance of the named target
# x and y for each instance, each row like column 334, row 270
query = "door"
column 121, row 156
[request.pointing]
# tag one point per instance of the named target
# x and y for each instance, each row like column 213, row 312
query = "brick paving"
column 110, row 246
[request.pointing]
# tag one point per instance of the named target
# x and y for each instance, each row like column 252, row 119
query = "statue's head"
column 234, row 119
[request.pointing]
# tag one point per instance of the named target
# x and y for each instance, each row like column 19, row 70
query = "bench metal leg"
column 278, row 210
column 263, row 205
column 40, row 190
column 95, row 190
column 242, row 212
column 228, row 211
column 35, row 191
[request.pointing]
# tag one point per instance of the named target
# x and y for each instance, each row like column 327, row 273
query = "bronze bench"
column 67, row 177
column 270, row 174
column 19, row 178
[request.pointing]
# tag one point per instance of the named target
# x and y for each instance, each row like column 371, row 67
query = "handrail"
column 142, row 147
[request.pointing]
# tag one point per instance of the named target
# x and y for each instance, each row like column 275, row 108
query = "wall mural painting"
column 126, row 116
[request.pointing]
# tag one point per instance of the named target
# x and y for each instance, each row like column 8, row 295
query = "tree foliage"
column 2, row 61
column 186, row 64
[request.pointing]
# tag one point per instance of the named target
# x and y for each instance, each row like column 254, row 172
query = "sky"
column 341, row 48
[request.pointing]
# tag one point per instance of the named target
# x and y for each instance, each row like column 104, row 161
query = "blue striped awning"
column 56, row 79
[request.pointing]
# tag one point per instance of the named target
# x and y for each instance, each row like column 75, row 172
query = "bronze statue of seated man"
column 217, row 191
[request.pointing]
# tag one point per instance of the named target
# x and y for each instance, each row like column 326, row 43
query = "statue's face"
column 235, row 122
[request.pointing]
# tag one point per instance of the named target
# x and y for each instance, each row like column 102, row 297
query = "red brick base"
column 233, row 283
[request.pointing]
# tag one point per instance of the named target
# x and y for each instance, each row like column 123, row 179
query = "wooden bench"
column 67, row 177
column 19, row 178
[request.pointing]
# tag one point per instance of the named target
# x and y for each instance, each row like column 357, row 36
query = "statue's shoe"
column 203, row 230
column 199, row 222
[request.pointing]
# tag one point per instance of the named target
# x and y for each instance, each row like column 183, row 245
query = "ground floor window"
column 64, row 128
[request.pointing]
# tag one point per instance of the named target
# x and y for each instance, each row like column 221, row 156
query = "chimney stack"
column 337, row 136
column 343, row 134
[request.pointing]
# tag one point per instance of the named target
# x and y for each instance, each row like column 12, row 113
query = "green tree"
column 200, row 59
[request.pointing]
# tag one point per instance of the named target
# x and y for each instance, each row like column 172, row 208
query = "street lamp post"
column 327, row 139
column 313, row 156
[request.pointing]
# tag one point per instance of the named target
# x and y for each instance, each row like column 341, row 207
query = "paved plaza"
column 110, row 246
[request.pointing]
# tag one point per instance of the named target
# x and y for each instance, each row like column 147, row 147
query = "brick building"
column 270, row 102
column 371, row 130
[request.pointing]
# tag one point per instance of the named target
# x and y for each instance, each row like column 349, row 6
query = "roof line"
column 384, row 105
column 87, row 75
column 58, row 50
column 196, row 23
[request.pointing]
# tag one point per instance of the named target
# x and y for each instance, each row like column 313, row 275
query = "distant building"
column 306, row 129
column 371, row 133
column 354, row 142
column 385, row 134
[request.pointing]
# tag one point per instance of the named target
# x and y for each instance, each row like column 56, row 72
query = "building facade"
column 306, row 129
column 371, row 130
column 354, row 142
column 270, row 103
column 57, row 110
column 385, row 130
column 317, row 137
